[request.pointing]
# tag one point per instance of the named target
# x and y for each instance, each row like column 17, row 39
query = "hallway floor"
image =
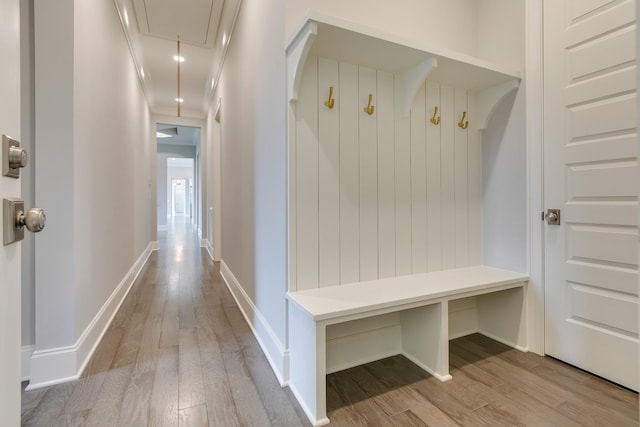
column 179, row 353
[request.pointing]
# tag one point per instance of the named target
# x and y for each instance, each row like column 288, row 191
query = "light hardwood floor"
column 179, row 353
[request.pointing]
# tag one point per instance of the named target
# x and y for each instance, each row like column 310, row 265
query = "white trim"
column 216, row 79
column 534, row 125
column 58, row 365
column 163, row 227
column 92, row 335
column 25, row 358
column 216, row 133
column 52, row 366
column 154, row 245
column 209, row 248
column 272, row 348
column 307, row 412
column 203, row 243
column 503, row 341
column 415, row 361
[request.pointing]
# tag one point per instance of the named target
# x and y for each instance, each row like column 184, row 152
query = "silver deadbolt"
column 16, row 220
column 13, row 157
column 553, row 216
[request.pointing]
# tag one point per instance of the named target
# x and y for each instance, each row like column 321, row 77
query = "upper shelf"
column 411, row 60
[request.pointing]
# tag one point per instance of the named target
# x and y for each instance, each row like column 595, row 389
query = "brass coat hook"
column 331, row 101
column 369, row 108
column 433, row 119
column 462, row 124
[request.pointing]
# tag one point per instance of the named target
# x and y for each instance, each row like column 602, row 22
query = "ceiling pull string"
column 178, row 98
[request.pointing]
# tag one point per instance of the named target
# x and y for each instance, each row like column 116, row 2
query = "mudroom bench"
column 421, row 302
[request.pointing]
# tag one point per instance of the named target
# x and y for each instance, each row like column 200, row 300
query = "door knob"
column 34, row 219
column 16, row 220
column 553, row 216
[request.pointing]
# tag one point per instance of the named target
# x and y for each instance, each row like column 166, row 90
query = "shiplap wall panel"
column 434, row 212
column 328, row 175
column 447, row 177
column 349, row 174
column 474, row 156
column 418, row 184
column 368, row 137
column 381, row 195
column 403, row 194
column 307, row 178
column 386, row 177
column 461, row 181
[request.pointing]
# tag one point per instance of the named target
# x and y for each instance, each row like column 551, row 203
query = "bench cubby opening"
column 338, row 327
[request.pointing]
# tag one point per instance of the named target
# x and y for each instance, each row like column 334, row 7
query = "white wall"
column 107, row 133
column 253, row 123
column 381, row 195
column 55, row 293
column 211, row 180
column 449, row 24
column 501, row 38
column 92, row 177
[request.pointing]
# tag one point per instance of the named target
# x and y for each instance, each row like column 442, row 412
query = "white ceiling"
column 152, row 28
column 181, row 135
column 179, row 162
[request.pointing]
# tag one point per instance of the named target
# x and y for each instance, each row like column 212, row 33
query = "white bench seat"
column 421, row 299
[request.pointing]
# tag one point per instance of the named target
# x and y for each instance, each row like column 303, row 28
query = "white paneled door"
column 591, row 174
column 9, row 255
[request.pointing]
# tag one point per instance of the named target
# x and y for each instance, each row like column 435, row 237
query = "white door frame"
column 157, row 119
column 535, row 168
column 217, row 182
column 10, row 256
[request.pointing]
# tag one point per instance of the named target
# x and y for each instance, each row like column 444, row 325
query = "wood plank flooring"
column 179, row 353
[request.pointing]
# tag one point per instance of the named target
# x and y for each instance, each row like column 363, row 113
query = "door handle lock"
column 553, row 216
column 16, row 220
column 13, row 157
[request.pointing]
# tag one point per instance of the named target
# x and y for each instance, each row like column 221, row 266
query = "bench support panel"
column 425, row 338
column 502, row 317
column 307, row 346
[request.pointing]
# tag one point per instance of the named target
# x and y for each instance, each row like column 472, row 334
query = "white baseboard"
column 58, row 365
column 154, row 245
column 315, row 423
column 203, row 243
column 272, row 348
column 163, row 227
column 53, row 366
column 504, row 341
column 209, row 248
column 25, row 359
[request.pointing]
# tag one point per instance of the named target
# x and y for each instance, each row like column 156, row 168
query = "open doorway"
column 180, row 192
column 178, row 180
column 179, row 200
